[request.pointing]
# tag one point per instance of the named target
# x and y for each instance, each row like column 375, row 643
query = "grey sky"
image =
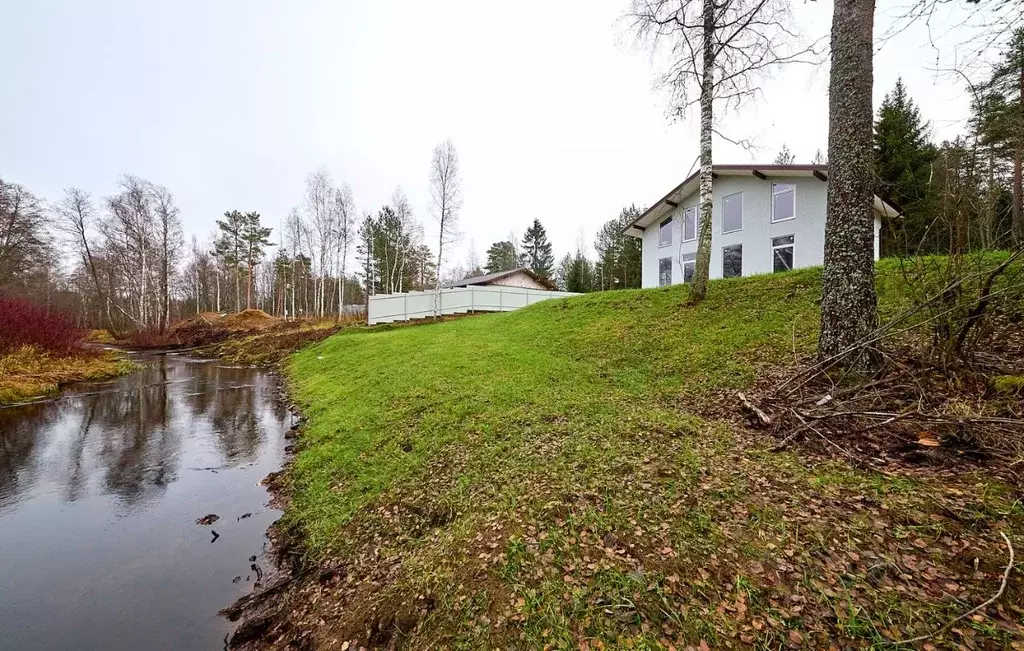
column 230, row 104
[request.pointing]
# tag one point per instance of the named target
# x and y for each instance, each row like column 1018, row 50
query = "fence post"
column 405, row 307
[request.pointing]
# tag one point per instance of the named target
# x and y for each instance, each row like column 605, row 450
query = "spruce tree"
column 1007, row 122
column 537, row 255
column 903, row 159
column 501, row 257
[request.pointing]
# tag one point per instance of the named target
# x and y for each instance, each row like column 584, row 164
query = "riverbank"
column 141, row 500
column 28, row 373
column 574, row 474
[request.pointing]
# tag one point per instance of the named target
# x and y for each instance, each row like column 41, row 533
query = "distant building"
column 522, row 277
column 766, row 218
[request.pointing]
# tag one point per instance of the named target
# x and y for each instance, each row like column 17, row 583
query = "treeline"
column 962, row 194
column 616, row 266
column 112, row 261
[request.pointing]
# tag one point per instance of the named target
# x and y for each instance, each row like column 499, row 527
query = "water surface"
column 99, row 495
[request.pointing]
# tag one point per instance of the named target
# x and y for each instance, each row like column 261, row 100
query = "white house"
column 522, row 277
column 767, row 218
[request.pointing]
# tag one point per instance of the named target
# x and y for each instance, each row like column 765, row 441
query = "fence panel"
column 389, row 308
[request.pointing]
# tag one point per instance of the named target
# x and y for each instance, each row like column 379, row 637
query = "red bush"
column 25, row 323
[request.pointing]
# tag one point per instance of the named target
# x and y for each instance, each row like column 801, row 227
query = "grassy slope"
column 539, row 477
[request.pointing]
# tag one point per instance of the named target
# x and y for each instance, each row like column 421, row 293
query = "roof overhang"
column 679, row 194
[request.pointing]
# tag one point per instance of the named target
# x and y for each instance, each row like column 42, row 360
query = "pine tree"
column 229, row 248
column 1007, row 88
column 255, row 239
column 501, row 257
column 537, row 255
column 903, row 159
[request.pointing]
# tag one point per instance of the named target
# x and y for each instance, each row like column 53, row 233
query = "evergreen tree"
column 255, row 238
column 579, row 273
column 536, row 253
column 229, row 248
column 618, row 254
column 903, row 166
column 785, row 156
column 501, row 257
column 1004, row 118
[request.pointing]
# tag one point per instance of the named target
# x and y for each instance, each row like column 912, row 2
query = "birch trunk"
column 849, row 305
column 702, row 265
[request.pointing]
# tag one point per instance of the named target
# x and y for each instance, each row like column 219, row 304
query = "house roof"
column 488, row 279
column 671, row 201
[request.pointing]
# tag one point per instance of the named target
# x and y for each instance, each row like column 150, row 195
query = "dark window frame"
column 725, row 258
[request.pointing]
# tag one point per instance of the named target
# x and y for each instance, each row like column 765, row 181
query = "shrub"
column 23, row 323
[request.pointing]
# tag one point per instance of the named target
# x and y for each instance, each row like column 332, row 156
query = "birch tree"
column 445, row 203
column 718, row 51
column 76, row 215
column 320, row 210
column 169, row 243
column 345, row 223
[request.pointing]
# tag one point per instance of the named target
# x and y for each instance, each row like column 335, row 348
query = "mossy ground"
column 28, row 373
column 566, row 476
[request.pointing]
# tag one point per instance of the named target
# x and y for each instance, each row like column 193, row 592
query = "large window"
column 732, row 213
column 689, row 263
column 782, row 253
column 664, row 272
column 783, row 201
column 732, row 261
column 665, row 233
column 690, row 224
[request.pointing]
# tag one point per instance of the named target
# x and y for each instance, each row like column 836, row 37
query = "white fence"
column 387, row 308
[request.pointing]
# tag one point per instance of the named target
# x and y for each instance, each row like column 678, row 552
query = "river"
column 100, row 490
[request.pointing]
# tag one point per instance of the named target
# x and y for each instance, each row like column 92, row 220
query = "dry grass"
column 28, row 373
column 270, row 348
column 100, row 337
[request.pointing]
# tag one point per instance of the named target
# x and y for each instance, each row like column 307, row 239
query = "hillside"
column 574, row 475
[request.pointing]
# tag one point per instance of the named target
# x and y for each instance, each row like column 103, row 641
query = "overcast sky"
column 230, row 104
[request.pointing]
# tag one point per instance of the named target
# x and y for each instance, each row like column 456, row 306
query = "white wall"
column 808, row 228
column 519, row 279
column 388, row 308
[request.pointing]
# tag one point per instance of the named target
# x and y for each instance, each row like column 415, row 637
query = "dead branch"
column 981, row 606
column 753, row 410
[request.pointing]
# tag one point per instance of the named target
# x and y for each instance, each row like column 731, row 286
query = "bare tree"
column 445, row 203
column 296, row 229
column 23, row 240
column 849, row 305
column 409, row 234
column 719, row 50
column 345, row 224
column 320, row 209
column 76, row 215
column 169, row 241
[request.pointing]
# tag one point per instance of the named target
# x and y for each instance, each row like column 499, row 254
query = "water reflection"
column 103, row 485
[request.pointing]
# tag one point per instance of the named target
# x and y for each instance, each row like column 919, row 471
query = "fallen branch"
column 986, row 604
column 751, row 408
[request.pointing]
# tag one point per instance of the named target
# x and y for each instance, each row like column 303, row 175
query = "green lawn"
column 544, row 478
